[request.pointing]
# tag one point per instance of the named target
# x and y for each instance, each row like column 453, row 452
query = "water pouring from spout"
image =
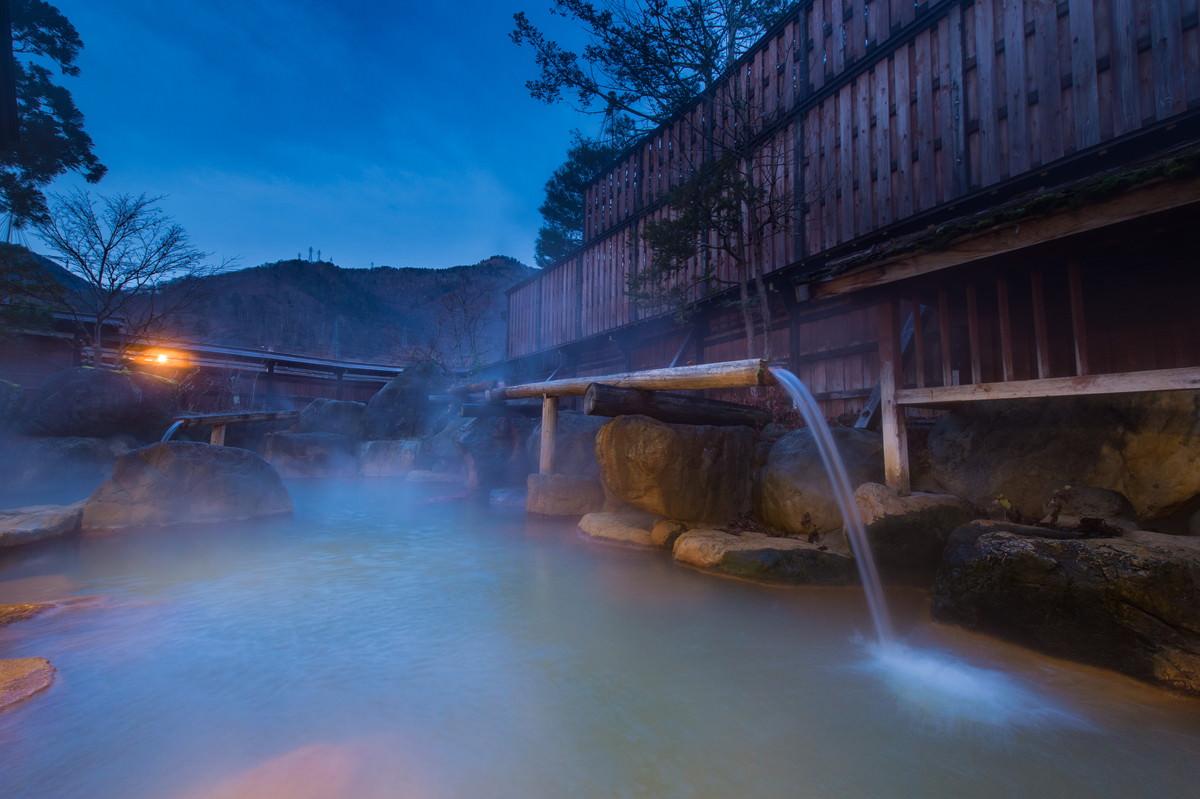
column 937, row 689
column 843, row 493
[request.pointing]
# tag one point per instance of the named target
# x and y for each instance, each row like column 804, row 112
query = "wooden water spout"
column 728, row 374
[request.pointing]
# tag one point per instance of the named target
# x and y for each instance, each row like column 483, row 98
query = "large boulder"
column 312, row 454
column 182, row 482
column 1143, row 446
column 402, row 409
column 574, row 444
column 12, row 401
column 908, row 534
column 389, row 458
column 563, row 495
column 688, row 472
column 1127, row 603
column 492, row 448
column 56, row 470
column 770, row 559
column 794, row 493
column 98, row 403
column 340, row 417
column 38, row 522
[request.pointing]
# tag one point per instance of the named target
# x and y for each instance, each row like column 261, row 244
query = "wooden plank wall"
column 875, row 112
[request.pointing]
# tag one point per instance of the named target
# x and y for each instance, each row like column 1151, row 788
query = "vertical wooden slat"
column 1014, row 87
column 957, row 120
column 1006, row 349
column 1167, row 45
column 882, row 137
column 1123, row 63
column 1041, row 341
column 902, row 149
column 845, row 171
column 924, row 133
column 895, row 435
column 973, row 334
column 1083, row 73
column 944, row 336
column 1078, row 323
column 985, row 72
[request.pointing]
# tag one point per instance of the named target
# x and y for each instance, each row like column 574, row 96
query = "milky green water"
column 384, row 643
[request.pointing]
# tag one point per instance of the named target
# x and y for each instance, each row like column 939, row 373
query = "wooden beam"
column 895, row 434
column 1182, row 379
column 1040, row 338
column 1078, row 323
column 729, row 374
column 217, row 436
column 603, row 400
column 200, row 419
column 471, row 410
column 1151, row 198
column 549, row 433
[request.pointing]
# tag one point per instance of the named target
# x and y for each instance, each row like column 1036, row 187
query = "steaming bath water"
column 384, row 645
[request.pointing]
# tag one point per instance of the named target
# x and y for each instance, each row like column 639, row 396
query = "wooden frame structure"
column 734, row 374
column 1030, row 166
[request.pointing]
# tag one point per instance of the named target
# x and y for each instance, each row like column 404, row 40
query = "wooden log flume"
column 729, row 374
column 605, row 400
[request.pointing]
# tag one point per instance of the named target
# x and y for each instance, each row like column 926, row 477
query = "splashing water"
column 843, row 494
column 936, row 689
column 950, row 696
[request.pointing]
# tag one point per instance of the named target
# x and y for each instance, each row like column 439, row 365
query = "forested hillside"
column 384, row 314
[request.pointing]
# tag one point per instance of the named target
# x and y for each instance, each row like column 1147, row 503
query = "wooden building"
column 988, row 199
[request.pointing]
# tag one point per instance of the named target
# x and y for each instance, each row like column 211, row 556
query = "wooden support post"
column 217, row 436
column 973, row 334
column 1078, row 323
column 944, row 335
column 1006, row 349
column 1041, row 341
column 549, row 433
column 895, row 434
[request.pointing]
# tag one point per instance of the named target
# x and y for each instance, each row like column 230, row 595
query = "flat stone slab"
column 22, row 678
column 20, row 612
column 755, row 556
column 623, row 528
column 38, row 522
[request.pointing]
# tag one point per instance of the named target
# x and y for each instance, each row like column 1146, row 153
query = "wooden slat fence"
column 875, row 113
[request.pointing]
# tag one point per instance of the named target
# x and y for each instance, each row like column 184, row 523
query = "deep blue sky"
column 377, row 131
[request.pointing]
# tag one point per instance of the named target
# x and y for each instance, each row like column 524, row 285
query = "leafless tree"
column 126, row 250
